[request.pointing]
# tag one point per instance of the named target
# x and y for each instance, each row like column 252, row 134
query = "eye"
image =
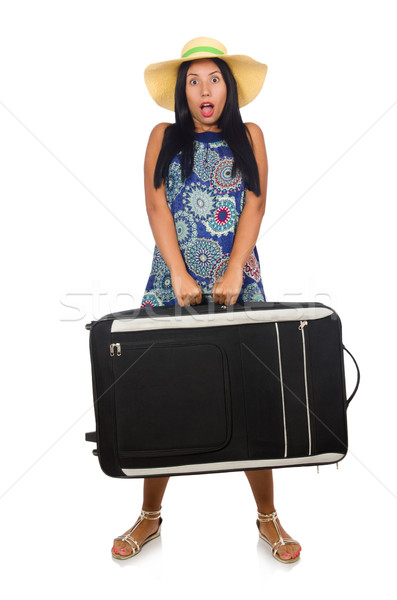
column 193, row 81
column 215, row 77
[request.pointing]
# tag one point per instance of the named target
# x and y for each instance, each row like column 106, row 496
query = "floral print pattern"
column 206, row 208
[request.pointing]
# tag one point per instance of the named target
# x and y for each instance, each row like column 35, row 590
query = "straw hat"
column 160, row 78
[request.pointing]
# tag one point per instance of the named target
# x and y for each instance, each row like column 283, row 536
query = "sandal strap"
column 281, row 541
column 265, row 518
column 128, row 537
column 144, row 514
column 277, row 545
column 271, row 517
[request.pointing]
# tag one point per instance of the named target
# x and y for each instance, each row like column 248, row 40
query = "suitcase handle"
column 358, row 376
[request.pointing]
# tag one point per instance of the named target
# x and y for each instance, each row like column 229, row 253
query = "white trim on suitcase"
column 220, row 319
column 282, row 389
column 330, row 457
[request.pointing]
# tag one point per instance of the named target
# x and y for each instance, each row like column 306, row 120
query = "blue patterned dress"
column 206, row 208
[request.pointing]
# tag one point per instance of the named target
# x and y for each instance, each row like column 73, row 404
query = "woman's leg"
column 153, row 492
column 261, row 482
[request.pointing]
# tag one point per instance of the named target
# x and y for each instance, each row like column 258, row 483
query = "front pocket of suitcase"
column 171, row 399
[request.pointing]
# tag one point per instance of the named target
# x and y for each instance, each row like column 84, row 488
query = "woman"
column 205, row 186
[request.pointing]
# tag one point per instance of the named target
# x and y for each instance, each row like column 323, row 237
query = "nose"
column 205, row 90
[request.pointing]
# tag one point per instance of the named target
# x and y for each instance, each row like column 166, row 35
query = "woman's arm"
column 186, row 289
column 254, row 208
column 160, row 217
column 227, row 289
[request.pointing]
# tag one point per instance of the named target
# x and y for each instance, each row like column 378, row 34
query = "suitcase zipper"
column 131, row 345
column 301, row 327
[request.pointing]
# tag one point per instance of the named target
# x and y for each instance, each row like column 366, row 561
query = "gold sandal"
column 280, row 542
column 129, row 539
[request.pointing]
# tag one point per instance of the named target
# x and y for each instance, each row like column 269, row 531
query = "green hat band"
column 202, row 49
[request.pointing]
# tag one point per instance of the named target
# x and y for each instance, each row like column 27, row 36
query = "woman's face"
column 205, row 85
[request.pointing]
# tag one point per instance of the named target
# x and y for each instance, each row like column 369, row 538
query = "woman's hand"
column 186, row 289
column 227, row 288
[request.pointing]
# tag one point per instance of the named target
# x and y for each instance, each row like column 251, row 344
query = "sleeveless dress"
column 206, row 208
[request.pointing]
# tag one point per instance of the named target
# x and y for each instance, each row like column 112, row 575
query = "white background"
column 76, row 244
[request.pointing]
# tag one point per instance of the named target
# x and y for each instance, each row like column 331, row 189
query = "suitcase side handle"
column 358, row 376
column 90, row 436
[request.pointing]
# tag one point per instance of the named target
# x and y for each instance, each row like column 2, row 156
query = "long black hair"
column 179, row 136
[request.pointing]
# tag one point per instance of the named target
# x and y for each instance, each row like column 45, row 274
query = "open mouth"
column 207, row 109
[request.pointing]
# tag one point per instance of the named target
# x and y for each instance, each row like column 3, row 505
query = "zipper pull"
column 302, row 324
column 118, row 346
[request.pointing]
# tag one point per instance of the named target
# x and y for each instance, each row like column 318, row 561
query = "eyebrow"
column 195, row 74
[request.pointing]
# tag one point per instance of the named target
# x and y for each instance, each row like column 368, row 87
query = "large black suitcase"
column 214, row 388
